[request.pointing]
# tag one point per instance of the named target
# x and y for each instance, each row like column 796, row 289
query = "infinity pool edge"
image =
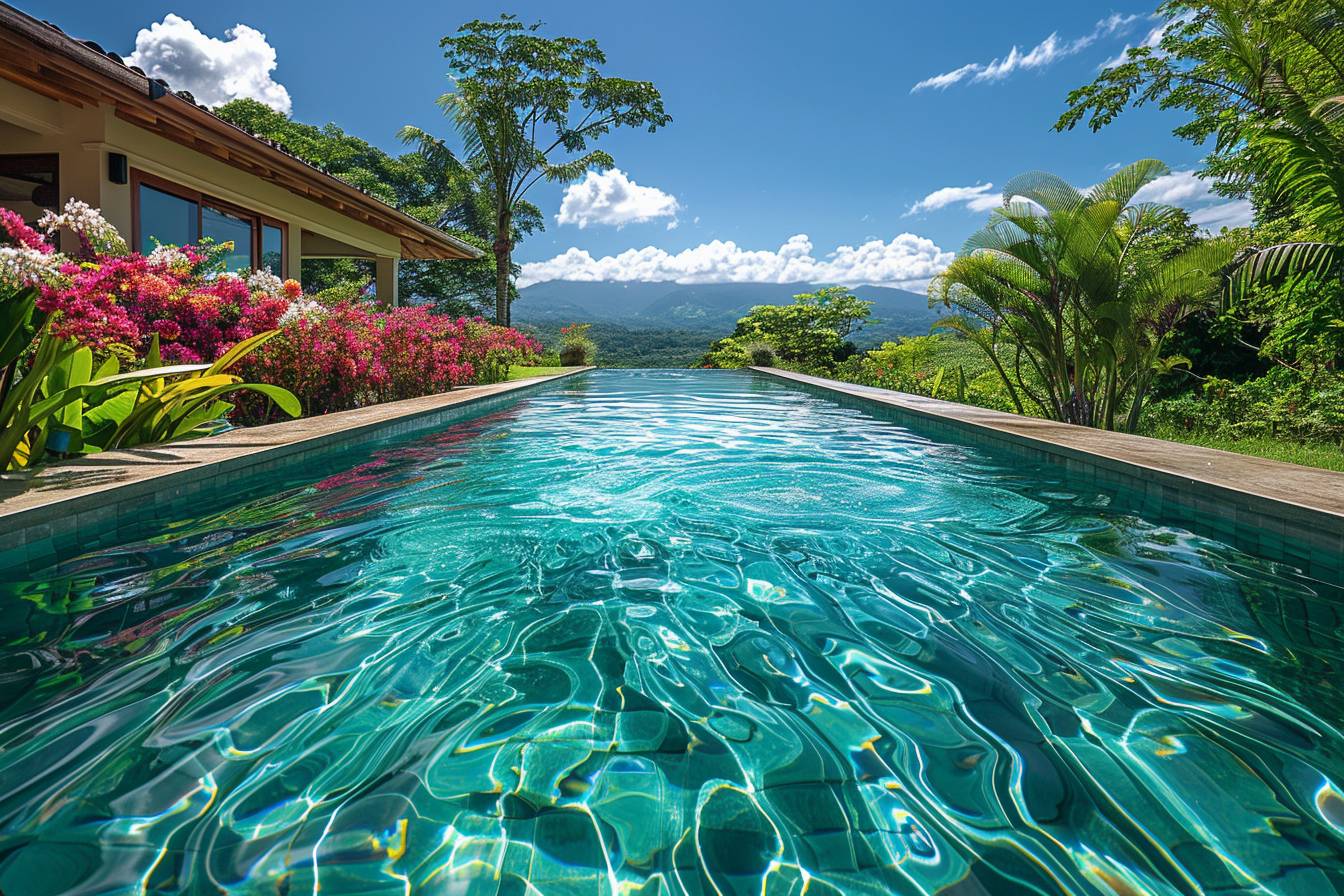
column 1276, row 510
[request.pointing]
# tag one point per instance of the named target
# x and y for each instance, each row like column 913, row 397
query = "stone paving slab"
column 1277, row 510
column 45, row 513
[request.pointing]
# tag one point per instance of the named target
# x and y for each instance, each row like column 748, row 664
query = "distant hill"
column 711, row 308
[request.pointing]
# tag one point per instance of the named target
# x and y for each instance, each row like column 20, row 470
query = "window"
column 165, row 213
column 273, row 249
column 222, row 226
column 167, row 219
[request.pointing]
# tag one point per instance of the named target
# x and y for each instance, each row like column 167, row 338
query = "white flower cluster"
column 88, row 224
column 263, row 281
column 21, row 267
column 169, row 257
column 303, row 308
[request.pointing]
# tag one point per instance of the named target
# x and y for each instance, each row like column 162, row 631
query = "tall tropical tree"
column 1072, row 308
column 528, row 108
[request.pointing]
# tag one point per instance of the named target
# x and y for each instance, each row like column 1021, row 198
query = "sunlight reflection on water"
column 687, row 632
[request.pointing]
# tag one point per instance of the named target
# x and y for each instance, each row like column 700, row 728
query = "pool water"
column 671, row 632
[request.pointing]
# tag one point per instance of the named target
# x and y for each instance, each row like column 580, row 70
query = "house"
column 77, row 122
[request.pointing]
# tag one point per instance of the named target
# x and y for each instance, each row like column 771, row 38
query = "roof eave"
column 130, row 91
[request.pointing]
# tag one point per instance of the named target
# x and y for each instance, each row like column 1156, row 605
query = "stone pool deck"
column 1276, row 510
column 67, row 504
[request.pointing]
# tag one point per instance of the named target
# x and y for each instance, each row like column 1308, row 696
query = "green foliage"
column 61, row 400
column 1281, row 405
column 425, row 184
column 811, row 333
column 1068, row 300
column 528, row 108
column 625, row 346
column 761, row 354
column 577, row 348
column 1304, row 323
column 941, row 365
column 1264, row 80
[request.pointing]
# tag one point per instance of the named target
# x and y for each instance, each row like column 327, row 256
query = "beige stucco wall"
column 31, row 123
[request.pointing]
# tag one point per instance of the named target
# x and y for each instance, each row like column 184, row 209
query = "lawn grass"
column 522, row 373
column 1324, row 456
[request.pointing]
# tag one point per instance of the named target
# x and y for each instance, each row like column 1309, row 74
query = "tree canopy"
column 1264, row 81
column 527, row 107
column 810, row 332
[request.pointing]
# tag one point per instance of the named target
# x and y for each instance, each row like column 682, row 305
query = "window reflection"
column 169, row 215
column 272, row 249
column 166, row 219
column 221, row 227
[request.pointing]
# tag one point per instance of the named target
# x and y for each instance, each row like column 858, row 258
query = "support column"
column 386, row 268
column 294, row 253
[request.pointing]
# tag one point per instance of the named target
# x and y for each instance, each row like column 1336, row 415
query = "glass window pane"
column 165, row 219
column 224, row 227
column 273, row 249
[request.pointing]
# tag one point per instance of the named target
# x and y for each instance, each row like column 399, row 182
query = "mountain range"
column 710, row 308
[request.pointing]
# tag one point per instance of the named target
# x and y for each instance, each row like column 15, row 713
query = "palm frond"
column 1122, row 186
column 1049, row 191
column 1283, row 262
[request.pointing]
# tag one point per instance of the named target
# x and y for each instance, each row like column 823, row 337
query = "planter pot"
column 573, row 356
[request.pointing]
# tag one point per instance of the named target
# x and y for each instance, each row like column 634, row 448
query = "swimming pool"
column 671, row 632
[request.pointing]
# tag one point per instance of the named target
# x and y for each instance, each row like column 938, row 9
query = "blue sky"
column 789, row 119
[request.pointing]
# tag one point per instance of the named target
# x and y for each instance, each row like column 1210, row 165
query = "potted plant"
column 577, row 349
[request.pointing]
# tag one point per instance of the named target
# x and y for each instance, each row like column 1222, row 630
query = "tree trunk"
column 503, row 262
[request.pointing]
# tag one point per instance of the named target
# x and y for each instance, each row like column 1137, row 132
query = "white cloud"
column 1176, row 188
column 980, row 198
column 611, row 197
column 947, row 79
column 1207, row 209
column 1237, row 213
column 214, row 71
column 1046, row 52
column 906, row 260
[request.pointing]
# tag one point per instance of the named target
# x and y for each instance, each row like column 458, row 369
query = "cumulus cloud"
column 1207, row 209
column 980, row 198
column 1236, row 213
column 1046, row 52
column 1176, row 188
column 611, row 197
column 906, row 260
column 214, row 71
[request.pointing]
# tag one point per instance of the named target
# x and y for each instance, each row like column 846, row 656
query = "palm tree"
column 529, row 108
column 1072, row 308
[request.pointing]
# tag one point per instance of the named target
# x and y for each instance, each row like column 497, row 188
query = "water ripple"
column 674, row 632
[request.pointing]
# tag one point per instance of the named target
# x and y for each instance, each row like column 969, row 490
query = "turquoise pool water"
column 671, row 632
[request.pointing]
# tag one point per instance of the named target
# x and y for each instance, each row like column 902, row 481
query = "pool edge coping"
column 1285, row 499
column 29, row 514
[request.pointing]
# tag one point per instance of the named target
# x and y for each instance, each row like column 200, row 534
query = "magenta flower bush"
column 352, row 354
column 333, row 358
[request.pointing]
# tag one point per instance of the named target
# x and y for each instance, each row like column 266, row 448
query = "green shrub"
column 577, row 349
column 760, row 353
column 1282, row 404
